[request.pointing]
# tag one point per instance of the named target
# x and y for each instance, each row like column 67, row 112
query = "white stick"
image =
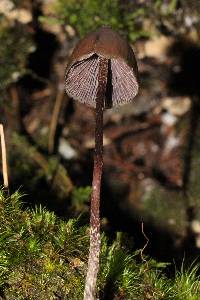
column 4, row 160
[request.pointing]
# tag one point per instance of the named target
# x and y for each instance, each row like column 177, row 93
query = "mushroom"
column 102, row 73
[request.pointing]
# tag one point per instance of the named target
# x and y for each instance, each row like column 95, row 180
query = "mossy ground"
column 45, row 257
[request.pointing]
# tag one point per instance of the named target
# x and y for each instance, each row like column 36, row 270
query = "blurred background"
column 151, row 147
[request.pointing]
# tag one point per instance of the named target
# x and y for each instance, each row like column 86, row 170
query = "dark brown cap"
column 83, row 67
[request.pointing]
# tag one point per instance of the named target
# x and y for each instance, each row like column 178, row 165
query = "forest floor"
column 151, row 146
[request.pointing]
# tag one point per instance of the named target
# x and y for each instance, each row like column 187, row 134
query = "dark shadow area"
column 164, row 181
column 109, row 88
column 66, row 114
column 186, row 82
column 39, row 192
column 40, row 72
column 39, row 62
column 161, row 243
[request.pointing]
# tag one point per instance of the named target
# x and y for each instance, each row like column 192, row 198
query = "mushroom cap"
column 106, row 43
column 83, row 66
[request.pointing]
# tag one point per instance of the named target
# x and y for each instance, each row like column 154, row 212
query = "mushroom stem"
column 95, row 240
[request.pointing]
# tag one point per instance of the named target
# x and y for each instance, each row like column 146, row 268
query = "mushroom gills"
column 82, row 82
column 124, row 82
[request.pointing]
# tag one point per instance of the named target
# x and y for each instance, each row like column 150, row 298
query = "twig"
column 4, row 160
column 54, row 120
column 142, row 250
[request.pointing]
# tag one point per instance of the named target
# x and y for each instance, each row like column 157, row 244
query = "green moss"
column 80, row 198
column 43, row 257
column 15, row 46
column 35, row 263
column 88, row 15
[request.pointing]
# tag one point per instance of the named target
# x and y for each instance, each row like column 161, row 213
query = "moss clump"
column 44, row 257
column 15, row 45
column 87, row 15
column 38, row 252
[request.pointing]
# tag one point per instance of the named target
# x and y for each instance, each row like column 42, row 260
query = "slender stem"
column 95, row 241
column 4, row 160
column 54, row 120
